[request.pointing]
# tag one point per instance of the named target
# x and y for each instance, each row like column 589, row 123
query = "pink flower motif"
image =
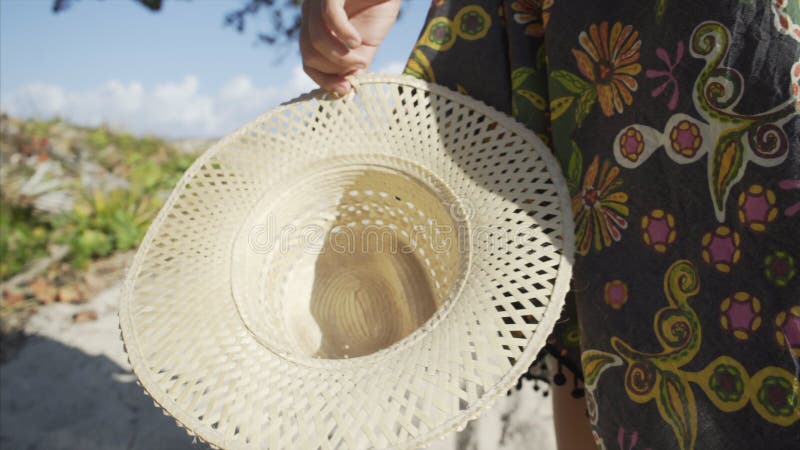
column 685, row 138
column 788, row 329
column 658, row 230
column 631, row 144
column 670, row 76
column 721, row 248
column 787, row 185
column 615, row 293
column 741, row 315
column 757, row 207
column 634, row 439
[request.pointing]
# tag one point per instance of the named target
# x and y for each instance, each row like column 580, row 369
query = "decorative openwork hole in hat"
column 365, row 272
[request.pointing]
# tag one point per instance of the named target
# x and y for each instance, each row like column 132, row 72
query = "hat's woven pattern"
column 243, row 383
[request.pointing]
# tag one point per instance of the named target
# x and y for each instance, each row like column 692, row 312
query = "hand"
column 340, row 38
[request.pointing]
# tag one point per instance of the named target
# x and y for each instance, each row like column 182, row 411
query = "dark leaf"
column 575, row 168
column 84, row 316
column 570, row 81
column 559, row 106
column 153, row 5
column 585, row 103
column 520, row 75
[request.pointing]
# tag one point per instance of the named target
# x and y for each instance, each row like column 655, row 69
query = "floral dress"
column 677, row 126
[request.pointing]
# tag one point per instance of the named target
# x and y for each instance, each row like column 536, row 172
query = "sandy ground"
column 70, row 387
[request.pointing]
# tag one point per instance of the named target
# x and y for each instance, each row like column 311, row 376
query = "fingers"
column 336, row 20
column 322, row 53
column 326, row 59
column 332, row 83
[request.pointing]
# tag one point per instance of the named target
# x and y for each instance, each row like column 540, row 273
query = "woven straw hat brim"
column 214, row 349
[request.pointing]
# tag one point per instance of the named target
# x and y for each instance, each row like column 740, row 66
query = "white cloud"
column 173, row 109
column 394, row 67
column 170, row 109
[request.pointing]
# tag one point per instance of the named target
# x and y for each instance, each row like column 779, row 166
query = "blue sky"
column 179, row 72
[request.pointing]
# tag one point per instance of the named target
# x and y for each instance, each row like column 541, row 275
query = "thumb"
column 336, row 19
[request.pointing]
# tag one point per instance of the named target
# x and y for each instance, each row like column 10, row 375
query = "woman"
column 677, row 126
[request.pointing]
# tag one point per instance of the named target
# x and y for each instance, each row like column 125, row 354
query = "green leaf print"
column 585, row 103
column 559, row 106
column 538, row 101
column 520, row 75
column 570, row 81
column 575, row 168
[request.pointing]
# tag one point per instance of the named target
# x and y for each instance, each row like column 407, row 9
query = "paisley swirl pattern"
column 660, row 377
column 677, row 126
column 769, row 141
column 733, row 139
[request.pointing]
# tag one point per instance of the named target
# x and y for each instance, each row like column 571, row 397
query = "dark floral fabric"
column 677, row 126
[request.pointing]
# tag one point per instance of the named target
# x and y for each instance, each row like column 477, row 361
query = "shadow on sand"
column 56, row 397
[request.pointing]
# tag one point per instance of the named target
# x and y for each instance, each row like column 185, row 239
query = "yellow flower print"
column 529, row 12
column 608, row 60
column 599, row 208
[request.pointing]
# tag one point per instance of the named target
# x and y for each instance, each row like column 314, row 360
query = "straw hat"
column 364, row 272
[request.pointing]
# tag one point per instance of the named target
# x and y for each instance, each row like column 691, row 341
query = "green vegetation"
column 101, row 223
column 104, row 217
column 24, row 238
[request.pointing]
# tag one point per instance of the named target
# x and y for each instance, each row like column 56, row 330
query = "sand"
column 70, row 387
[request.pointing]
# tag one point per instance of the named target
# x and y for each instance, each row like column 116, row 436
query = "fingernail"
column 352, row 43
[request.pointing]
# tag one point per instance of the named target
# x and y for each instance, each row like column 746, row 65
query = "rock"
column 47, row 188
column 70, row 294
column 193, row 146
column 43, row 291
column 11, row 298
column 104, row 273
column 84, row 316
column 93, row 176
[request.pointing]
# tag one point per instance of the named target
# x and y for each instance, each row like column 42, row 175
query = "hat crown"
column 359, row 253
